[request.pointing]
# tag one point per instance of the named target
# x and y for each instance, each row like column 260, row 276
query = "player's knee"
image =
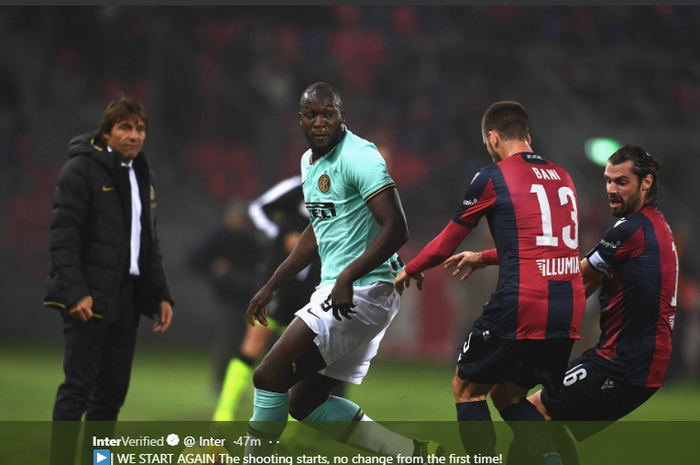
column 502, row 400
column 456, row 387
column 264, row 377
column 459, row 389
column 507, row 394
column 536, row 400
column 268, row 376
column 255, row 342
column 251, row 352
column 464, row 391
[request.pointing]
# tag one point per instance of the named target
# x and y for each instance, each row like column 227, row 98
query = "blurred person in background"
column 229, row 258
column 106, row 270
column 281, row 215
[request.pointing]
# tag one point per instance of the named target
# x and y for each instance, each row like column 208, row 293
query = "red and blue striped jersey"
column 638, row 297
column 531, row 208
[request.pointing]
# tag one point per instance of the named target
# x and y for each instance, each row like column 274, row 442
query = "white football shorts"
column 347, row 346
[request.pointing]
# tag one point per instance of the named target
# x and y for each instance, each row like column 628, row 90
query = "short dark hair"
column 324, row 87
column 509, row 119
column 643, row 164
column 122, row 109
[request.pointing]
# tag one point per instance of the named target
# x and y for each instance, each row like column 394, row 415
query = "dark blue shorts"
column 594, row 394
column 489, row 359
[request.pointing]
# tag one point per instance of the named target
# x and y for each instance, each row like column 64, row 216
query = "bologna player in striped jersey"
column 525, row 334
column 637, row 266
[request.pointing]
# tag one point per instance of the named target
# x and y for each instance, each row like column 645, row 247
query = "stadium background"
column 222, row 84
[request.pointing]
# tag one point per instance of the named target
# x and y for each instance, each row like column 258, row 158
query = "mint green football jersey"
column 336, row 190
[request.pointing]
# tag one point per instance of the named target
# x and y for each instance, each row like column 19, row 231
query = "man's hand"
column 341, row 299
column 257, row 310
column 468, row 260
column 403, row 281
column 165, row 313
column 82, row 310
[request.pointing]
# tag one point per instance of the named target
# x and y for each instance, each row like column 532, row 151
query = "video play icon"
column 101, row 457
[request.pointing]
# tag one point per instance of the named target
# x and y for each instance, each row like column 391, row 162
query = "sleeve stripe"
column 379, row 191
column 255, row 209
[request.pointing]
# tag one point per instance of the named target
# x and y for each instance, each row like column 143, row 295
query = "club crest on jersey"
column 324, row 183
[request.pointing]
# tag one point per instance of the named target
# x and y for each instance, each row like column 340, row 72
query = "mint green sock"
column 346, row 422
column 270, row 410
column 337, row 410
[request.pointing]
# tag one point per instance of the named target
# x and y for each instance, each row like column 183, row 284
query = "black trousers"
column 97, row 366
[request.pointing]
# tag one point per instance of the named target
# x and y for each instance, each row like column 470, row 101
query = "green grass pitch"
column 176, row 385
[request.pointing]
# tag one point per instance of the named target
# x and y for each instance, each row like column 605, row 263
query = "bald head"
column 322, row 89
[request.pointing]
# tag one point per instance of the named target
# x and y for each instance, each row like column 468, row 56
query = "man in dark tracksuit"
column 106, row 268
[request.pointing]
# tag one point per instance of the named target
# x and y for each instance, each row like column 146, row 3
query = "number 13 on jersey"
column 566, row 197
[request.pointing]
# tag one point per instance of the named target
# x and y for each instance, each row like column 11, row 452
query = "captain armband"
column 596, row 261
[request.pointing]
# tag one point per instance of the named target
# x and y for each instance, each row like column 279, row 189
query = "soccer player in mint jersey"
column 525, row 334
column 637, row 266
column 357, row 225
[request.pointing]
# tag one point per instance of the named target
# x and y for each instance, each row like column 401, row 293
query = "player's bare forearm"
column 386, row 209
column 302, row 256
column 592, row 279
